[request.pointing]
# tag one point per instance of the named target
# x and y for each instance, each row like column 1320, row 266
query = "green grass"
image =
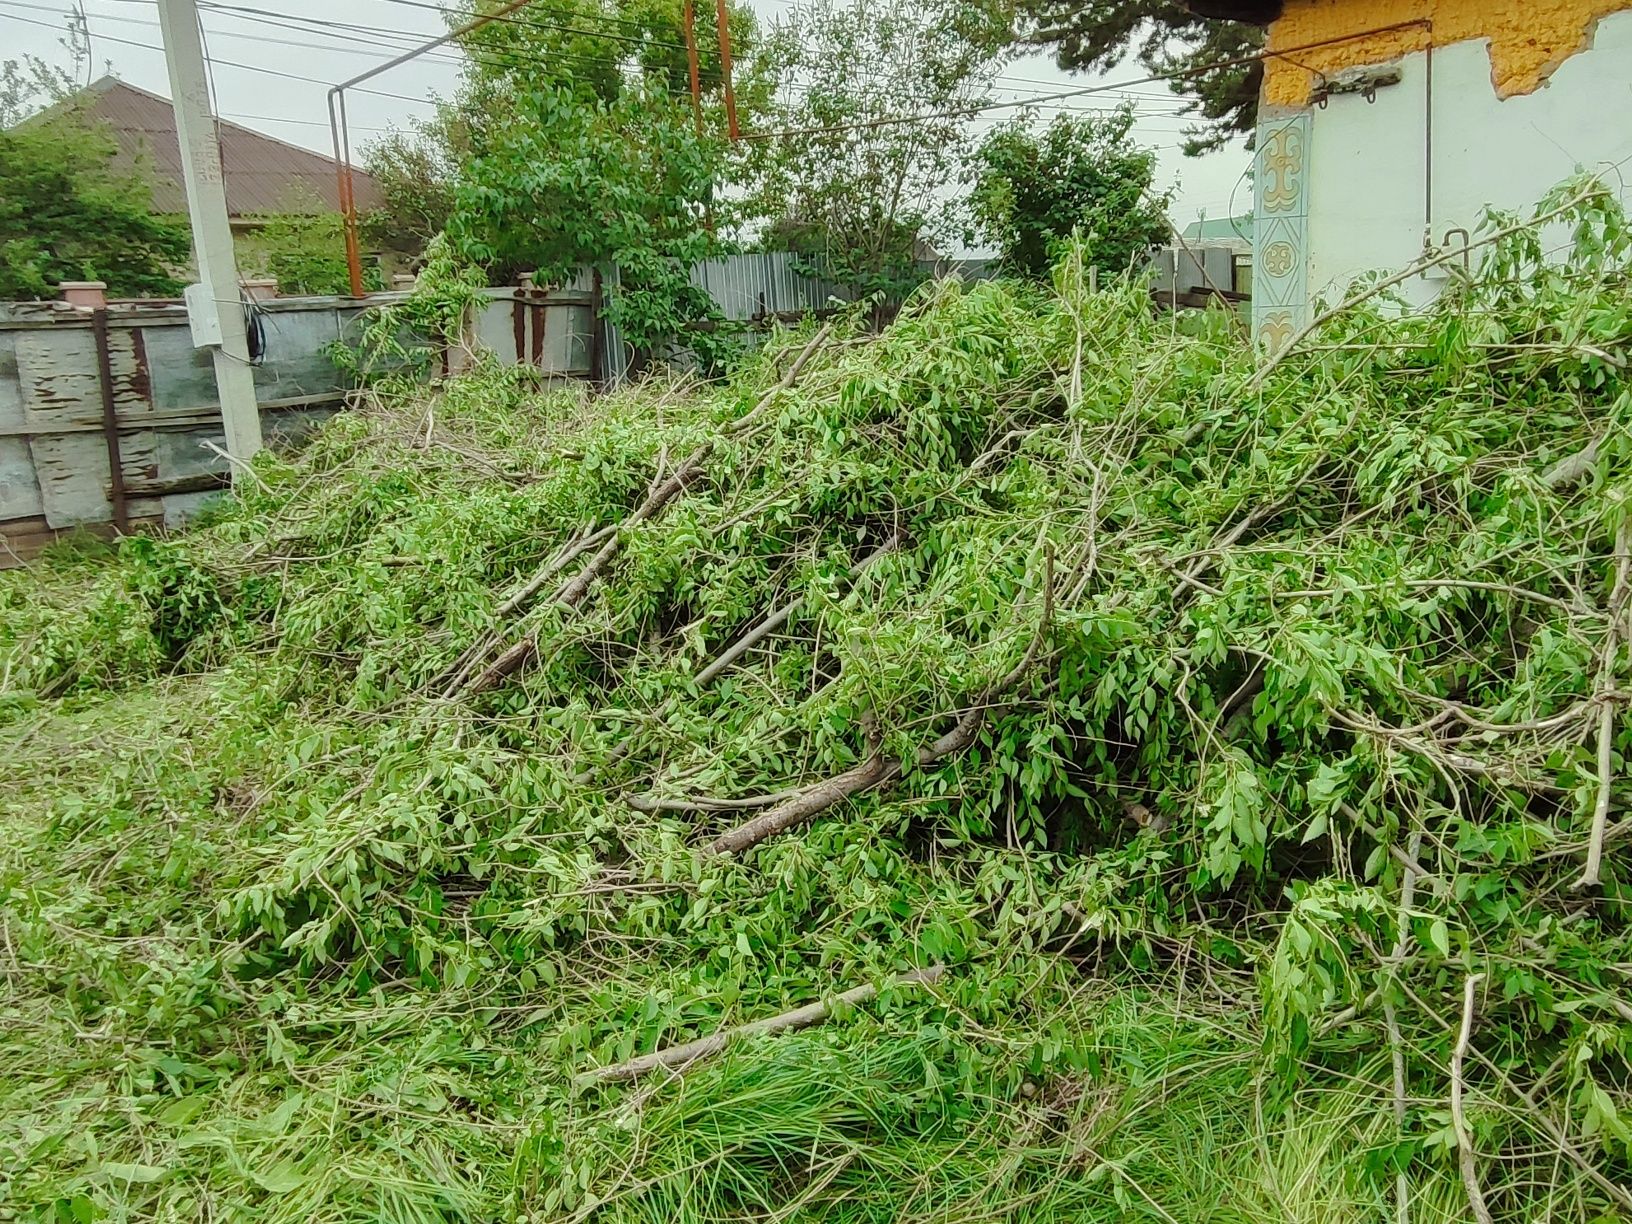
column 292, row 930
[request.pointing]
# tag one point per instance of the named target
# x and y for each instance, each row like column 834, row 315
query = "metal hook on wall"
column 1467, row 246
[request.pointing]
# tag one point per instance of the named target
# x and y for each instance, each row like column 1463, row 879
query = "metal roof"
column 263, row 174
column 1229, row 231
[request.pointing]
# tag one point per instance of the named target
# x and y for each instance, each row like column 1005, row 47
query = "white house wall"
column 1365, row 164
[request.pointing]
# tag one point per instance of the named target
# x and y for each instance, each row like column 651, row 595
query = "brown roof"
column 263, row 174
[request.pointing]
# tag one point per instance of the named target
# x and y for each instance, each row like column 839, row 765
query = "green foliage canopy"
column 1033, row 190
column 578, row 146
column 850, row 187
column 67, row 214
column 414, row 168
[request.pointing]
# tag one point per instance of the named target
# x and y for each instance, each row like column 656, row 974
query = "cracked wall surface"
column 1527, row 41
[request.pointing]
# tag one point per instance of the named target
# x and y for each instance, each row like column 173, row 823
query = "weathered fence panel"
column 55, row 445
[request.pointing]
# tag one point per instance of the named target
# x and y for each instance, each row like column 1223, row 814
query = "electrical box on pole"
column 214, row 306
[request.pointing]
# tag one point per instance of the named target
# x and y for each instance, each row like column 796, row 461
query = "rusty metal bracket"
column 110, row 421
column 1363, row 81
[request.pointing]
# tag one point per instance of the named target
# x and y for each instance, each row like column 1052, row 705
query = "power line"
column 282, row 42
column 288, row 76
column 545, row 25
column 370, row 36
column 975, row 109
column 488, row 57
column 513, row 59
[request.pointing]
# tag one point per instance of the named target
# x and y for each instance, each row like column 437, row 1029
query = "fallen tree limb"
column 454, row 676
column 661, row 494
column 705, row 803
column 723, row 661
column 556, row 565
column 1572, row 468
column 512, row 660
column 787, row 380
column 1465, row 1157
column 716, row 668
column 1591, row 873
column 677, row 1058
column 1407, row 273
column 665, row 492
column 875, row 771
column 521, row 653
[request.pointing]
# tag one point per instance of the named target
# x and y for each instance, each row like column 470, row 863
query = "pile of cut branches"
column 1038, row 762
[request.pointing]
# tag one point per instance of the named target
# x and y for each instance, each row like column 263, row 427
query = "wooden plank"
column 59, row 383
column 19, row 486
column 11, row 392
column 72, row 470
column 184, row 420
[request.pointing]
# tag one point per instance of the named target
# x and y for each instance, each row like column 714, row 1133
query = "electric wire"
column 276, row 72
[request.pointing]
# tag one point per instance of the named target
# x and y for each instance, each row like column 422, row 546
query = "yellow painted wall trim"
column 1528, row 39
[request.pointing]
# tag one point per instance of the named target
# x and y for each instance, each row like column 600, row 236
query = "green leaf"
column 1439, row 935
column 140, row 1173
column 281, row 1178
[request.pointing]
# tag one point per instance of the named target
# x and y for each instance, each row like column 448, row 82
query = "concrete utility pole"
column 213, row 305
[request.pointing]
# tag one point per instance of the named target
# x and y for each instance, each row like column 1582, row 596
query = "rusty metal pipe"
column 341, row 135
column 720, row 18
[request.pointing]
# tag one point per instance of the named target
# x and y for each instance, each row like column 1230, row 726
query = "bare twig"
column 1464, row 1141
column 677, row 1058
column 1428, row 584
column 1591, row 873
column 237, row 464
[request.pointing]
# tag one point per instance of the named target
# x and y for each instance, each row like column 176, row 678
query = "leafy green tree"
column 1164, row 37
column 848, row 186
column 1033, row 189
column 577, row 144
column 67, row 214
column 303, row 248
column 593, row 182
column 414, row 169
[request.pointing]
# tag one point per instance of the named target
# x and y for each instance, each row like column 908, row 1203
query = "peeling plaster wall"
column 1512, row 118
column 1527, row 40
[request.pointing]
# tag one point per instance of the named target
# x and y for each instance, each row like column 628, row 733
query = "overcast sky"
column 294, row 109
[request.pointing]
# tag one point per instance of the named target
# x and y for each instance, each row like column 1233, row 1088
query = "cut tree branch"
column 665, row 491
column 780, row 617
column 1592, row 872
column 677, row 1058
column 1466, row 1160
column 875, row 771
